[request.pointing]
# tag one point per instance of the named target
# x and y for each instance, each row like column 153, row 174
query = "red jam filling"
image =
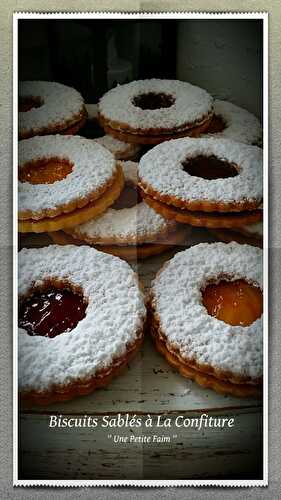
column 209, row 167
column 234, row 302
column 151, row 100
column 51, row 312
column 28, row 103
column 129, row 197
column 217, row 125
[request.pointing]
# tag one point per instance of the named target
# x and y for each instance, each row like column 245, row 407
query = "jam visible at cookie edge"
column 50, row 312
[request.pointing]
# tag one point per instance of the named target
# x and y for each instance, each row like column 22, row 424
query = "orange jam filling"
column 129, row 197
column 45, row 171
column 209, row 167
column 234, row 302
column 28, row 103
column 217, row 125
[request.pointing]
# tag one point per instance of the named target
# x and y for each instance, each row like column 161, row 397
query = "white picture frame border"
column 141, row 15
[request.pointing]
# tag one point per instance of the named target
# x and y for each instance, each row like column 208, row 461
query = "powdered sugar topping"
column 114, row 315
column 184, row 319
column 191, row 104
column 93, row 168
column 59, row 104
column 162, row 169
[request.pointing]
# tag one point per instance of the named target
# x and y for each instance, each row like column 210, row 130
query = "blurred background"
column 222, row 56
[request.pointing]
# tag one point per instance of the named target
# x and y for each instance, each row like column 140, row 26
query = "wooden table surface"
column 148, row 386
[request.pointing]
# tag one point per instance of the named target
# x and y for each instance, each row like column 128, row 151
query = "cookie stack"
column 171, row 158
column 214, row 182
column 205, row 170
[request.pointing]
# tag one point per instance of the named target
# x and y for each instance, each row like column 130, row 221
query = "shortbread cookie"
column 206, row 312
column 129, row 222
column 130, row 252
column 251, row 234
column 235, row 123
column 204, row 182
column 204, row 379
column 152, row 111
column 49, row 108
column 120, row 149
column 205, row 219
column 63, row 181
column 92, row 325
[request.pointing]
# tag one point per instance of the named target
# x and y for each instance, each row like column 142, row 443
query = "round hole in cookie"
column 234, row 302
column 209, row 167
column 52, row 309
column 129, row 197
column 28, row 103
column 217, row 125
column 45, row 171
column 153, row 100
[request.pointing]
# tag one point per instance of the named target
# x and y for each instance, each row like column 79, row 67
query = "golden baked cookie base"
column 77, row 216
column 73, row 129
column 167, row 235
column 130, row 252
column 82, row 387
column 204, row 219
column 228, row 236
column 72, row 205
column 199, row 205
column 203, row 379
column 70, row 127
column 152, row 138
